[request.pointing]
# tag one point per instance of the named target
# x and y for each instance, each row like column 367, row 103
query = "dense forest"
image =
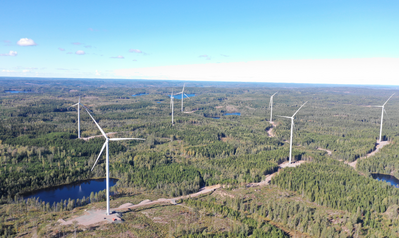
column 39, row 149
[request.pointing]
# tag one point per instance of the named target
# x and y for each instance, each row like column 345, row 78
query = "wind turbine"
column 171, row 104
column 382, row 114
column 292, row 127
column 271, row 106
column 182, row 96
column 78, row 104
column 105, row 145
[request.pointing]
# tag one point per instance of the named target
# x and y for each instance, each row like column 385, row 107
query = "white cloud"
column 26, row 42
column 80, row 52
column 25, row 70
column 97, row 73
column 11, row 53
column 326, row 71
column 61, row 49
column 7, row 71
column 135, row 51
column 118, row 57
column 205, row 56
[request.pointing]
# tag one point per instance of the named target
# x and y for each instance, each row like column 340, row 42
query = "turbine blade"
column 299, row 109
column 386, row 112
column 86, row 107
column 186, row 95
column 118, row 139
column 388, row 99
column 183, row 87
column 102, row 132
column 275, row 93
column 73, row 105
column 99, row 155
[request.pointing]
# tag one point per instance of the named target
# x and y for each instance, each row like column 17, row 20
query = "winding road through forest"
column 378, row 147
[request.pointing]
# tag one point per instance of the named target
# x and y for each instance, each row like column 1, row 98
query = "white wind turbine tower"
column 78, row 104
column 292, row 127
column 182, row 96
column 382, row 115
column 105, row 145
column 171, row 104
column 271, row 106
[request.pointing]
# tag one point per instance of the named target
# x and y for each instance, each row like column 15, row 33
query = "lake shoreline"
column 25, row 195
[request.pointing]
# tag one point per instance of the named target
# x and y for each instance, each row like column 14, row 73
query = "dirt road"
column 378, row 147
column 270, row 176
column 329, row 152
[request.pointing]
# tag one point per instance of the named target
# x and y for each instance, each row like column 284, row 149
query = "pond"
column 216, row 117
column 15, row 91
column 72, row 191
column 179, row 96
column 139, row 94
column 387, row 178
column 233, row 114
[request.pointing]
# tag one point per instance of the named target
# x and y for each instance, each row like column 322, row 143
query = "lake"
column 14, row 91
column 72, row 191
column 233, row 114
column 179, row 96
column 387, row 178
column 139, row 94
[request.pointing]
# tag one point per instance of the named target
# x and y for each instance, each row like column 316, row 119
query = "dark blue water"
column 139, row 94
column 185, row 96
column 72, row 191
column 13, row 91
column 387, row 178
column 216, row 117
column 233, row 114
column 158, row 102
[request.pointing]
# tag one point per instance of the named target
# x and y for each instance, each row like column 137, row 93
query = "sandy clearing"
column 191, row 111
column 96, row 216
column 92, row 217
column 270, row 132
column 231, row 108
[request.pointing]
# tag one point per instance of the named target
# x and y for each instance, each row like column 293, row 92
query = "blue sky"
column 331, row 41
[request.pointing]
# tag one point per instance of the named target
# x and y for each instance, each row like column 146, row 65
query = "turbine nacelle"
column 287, row 117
